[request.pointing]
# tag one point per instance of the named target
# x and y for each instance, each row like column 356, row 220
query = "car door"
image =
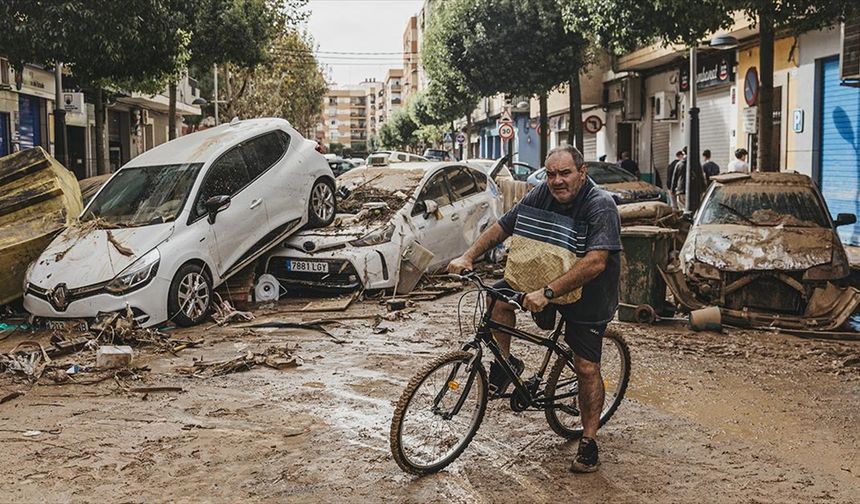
column 436, row 232
column 470, row 203
column 269, row 163
column 241, row 225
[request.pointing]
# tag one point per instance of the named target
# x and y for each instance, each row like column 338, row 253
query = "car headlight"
column 375, row 237
column 137, row 274
column 27, row 275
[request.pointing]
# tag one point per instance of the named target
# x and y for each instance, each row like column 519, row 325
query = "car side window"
column 461, row 181
column 480, row 180
column 263, row 152
column 435, row 189
column 227, row 176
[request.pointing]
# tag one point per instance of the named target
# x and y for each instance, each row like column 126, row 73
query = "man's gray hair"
column 572, row 151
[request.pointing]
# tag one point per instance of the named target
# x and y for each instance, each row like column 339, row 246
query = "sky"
column 360, row 26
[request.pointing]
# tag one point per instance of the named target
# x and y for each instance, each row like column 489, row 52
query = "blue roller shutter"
column 4, row 134
column 840, row 148
column 29, row 128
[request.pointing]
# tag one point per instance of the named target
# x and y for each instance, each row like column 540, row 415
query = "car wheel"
column 190, row 297
column 321, row 207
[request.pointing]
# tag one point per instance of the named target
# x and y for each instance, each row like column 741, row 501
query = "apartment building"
column 350, row 115
column 410, row 82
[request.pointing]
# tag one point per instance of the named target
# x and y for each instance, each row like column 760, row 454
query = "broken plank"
column 338, row 304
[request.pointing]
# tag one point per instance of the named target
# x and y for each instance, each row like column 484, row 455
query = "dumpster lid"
column 647, row 231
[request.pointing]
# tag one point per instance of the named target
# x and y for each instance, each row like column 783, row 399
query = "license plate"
column 307, row 266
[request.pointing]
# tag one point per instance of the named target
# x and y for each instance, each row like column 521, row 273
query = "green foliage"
column 289, row 85
column 398, row 131
column 232, row 31
column 484, row 47
column 430, row 135
column 136, row 45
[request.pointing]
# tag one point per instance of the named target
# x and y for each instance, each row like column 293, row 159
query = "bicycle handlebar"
column 472, row 276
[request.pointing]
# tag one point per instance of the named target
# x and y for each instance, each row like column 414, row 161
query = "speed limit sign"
column 506, row 131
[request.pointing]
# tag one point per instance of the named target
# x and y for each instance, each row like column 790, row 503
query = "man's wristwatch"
column 548, row 292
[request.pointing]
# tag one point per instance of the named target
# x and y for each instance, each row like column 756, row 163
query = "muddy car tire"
column 570, row 426
column 190, row 297
column 402, row 454
column 322, row 206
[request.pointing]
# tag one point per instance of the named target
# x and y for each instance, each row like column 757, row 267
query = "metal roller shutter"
column 715, row 126
column 29, row 129
column 840, row 158
column 589, row 146
column 4, row 134
column 660, row 148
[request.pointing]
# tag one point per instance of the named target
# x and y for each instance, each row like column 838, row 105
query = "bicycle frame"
column 484, row 336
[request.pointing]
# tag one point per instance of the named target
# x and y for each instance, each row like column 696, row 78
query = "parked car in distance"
column 178, row 220
column 621, row 184
column 437, row 155
column 357, row 161
column 764, row 248
column 441, row 206
column 382, row 158
column 339, row 166
column 494, row 168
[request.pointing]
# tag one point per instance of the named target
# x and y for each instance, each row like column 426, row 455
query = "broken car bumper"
column 347, row 269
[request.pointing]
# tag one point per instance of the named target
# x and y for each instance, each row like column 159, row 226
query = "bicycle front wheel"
column 564, row 416
column 439, row 413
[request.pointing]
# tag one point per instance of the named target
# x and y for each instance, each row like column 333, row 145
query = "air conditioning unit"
column 665, row 106
column 849, row 60
column 631, row 92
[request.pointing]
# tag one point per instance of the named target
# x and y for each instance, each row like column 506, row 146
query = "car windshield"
column 392, row 186
column 759, row 205
column 605, row 173
column 143, row 195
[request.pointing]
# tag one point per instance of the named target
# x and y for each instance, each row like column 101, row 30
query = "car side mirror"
column 845, row 219
column 430, row 208
column 216, row 204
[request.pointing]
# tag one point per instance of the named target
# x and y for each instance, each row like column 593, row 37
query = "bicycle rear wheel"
column 428, row 430
column 564, row 416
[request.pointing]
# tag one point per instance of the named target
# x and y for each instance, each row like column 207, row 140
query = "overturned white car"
column 400, row 217
column 178, row 220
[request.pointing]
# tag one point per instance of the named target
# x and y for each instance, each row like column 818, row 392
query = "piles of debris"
column 275, row 357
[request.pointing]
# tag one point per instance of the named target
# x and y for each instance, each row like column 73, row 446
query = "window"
column 227, row 176
column 763, row 205
column 480, row 179
column 263, row 152
column 461, row 181
column 435, row 189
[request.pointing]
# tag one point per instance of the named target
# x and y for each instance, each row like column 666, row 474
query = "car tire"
column 189, row 299
column 321, row 205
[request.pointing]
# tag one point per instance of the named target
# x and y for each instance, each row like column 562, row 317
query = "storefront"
column 35, row 98
column 5, row 140
column 714, row 83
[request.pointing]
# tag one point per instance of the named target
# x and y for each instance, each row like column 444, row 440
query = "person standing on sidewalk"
column 709, row 167
column 567, row 204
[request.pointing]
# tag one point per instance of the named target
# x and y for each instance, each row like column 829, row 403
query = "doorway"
column 77, row 139
column 624, row 140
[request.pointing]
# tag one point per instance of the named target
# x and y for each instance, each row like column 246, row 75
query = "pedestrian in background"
column 629, row 165
column 709, row 167
column 739, row 164
column 670, row 176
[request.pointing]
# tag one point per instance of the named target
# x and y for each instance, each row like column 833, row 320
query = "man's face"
column 563, row 177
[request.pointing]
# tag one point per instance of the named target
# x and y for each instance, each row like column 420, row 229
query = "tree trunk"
column 574, row 128
column 764, row 159
column 101, row 166
column 544, row 128
column 468, row 153
column 171, row 111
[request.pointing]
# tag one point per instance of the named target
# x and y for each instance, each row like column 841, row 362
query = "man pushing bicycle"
column 565, row 255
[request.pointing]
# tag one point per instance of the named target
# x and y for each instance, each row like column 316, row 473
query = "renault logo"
column 59, row 297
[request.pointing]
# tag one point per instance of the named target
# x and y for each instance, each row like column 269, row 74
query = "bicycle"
column 449, row 394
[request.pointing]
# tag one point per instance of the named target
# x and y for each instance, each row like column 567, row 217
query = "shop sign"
column 36, row 82
column 711, row 72
column 751, row 119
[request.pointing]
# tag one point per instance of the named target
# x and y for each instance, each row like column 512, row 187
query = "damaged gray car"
column 764, row 248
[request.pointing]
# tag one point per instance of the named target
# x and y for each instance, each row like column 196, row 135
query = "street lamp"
column 721, row 42
column 199, row 101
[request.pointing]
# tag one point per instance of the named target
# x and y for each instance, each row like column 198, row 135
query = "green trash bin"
column 644, row 249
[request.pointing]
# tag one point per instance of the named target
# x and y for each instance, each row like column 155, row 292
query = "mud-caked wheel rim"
column 193, row 295
column 322, row 202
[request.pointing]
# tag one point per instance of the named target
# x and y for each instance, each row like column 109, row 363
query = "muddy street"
column 742, row 416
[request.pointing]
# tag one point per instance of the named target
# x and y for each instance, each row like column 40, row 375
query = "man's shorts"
column 584, row 338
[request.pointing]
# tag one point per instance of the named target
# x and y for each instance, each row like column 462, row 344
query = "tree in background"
column 398, row 131
column 624, row 25
column 289, row 85
column 515, row 47
column 134, row 45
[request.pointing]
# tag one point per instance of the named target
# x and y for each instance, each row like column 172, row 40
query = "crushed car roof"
column 202, row 146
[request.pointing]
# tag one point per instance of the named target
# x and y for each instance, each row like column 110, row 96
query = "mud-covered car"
column 389, row 213
column 622, row 185
column 764, row 248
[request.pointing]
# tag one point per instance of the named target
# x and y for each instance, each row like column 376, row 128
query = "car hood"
column 633, row 191
column 742, row 248
column 330, row 237
column 81, row 255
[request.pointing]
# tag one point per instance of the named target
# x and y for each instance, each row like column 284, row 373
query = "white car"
column 380, row 158
column 178, row 220
column 442, row 206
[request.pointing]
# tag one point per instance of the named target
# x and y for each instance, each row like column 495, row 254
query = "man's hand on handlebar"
column 459, row 265
column 535, row 301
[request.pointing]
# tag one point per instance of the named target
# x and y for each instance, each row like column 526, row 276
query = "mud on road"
column 742, row 416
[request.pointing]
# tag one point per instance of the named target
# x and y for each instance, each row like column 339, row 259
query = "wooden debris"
column 122, row 249
column 337, row 304
column 146, row 390
column 224, row 313
column 314, row 325
column 11, row 395
column 275, row 357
